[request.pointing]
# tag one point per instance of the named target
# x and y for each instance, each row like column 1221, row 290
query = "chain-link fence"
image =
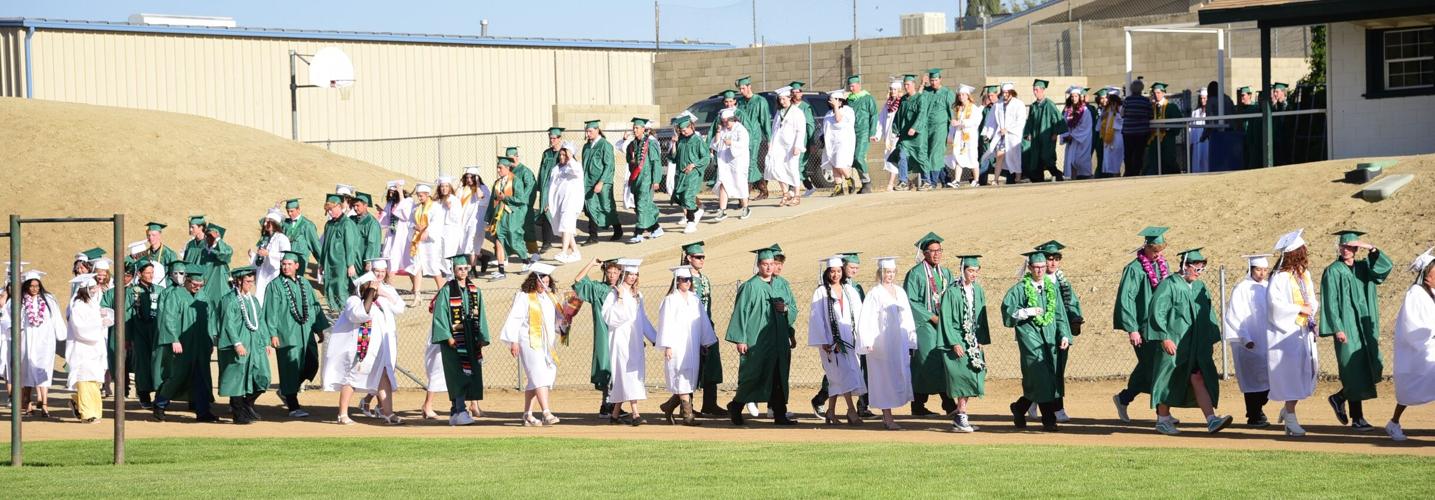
column 427, row 157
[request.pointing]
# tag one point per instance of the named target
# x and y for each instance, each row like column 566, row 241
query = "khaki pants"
column 88, row 401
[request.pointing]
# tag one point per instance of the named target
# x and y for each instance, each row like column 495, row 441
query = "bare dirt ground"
column 1093, row 423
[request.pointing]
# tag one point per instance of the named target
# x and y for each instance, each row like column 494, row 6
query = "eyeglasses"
column 681, row 280
column 699, row 257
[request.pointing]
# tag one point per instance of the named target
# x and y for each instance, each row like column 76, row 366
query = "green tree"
column 1316, row 76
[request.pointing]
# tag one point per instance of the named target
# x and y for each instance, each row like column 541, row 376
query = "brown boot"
column 668, row 407
column 688, row 418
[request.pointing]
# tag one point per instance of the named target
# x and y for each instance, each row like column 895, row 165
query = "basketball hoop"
column 345, row 87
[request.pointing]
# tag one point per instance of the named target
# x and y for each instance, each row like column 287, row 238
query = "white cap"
column 1290, row 241
column 102, row 263
column 138, row 247
column 727, row 113
column 1008, row 86
column 471, row 170
column 541, row 268
column 572, row 150
column 833, row 261
column 682, row 271
column 443, row 179
column 837, row 94
column 381, row 263
column 886, row 262
column 896, row 84
column 1201, row 92
column 688, row 114
column 82, row 257
column 784, row 91
column 84, row 280
column 344, row 189
column 423, row 188
column 1258, row 260
column 1420, row 262
column 630, row 265
column 396, row 183
column 31, row 275
column 364, row 278
column 1074, row 89
column 965, row 89
column 275, row 215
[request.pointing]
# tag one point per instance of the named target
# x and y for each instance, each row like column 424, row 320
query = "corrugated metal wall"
column 12, row 62
column 402, row 89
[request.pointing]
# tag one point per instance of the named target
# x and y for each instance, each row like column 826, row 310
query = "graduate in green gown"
column 155, row 250
column 925, row 283
column 989, row 102
column 1250, row 129
column 303, row 234
column 539, row 227
column 865, row 127
column 594, row 293
column 645, row 172
column 508, row 213
column 1128, row 315
column 195, row 246
column 962, row 333
column 710, row 364
column 186, row 328
column 214, row 261
column 525, row 191
column 598, row 170
column 1183, row 322
column 1044, row 123
column 368, row 233
column 753, row 113
column 762, row 328
column 337, row 253
column 1164, row 137
column 939, row 102
column 910, row 127
column 807, row 117
column 460, row 329
column 243, row 347
column 1072, row 309
column 691, row 155
column 293, row 319
column 142, row 330
column 1033, row 308
column 1350, row 312
column 1282, row 127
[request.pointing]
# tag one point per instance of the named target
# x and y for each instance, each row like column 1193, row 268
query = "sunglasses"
column 699, row 257
column 684, row 279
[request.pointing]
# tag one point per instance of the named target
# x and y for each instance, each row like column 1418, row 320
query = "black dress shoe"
column 1337, row 403
column 1049, row 427
column 734, row 412
column 783, row 420
column 157, row 413
column 1018, row 417
column 208, row 419
column 713, row 411
column 921, row 411
column 1258, row 422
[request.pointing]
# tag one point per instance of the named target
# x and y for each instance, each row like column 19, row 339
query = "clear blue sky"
column 729, row 21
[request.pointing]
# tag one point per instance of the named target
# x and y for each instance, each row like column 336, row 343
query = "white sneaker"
column 690, row 228
column 1293, row 427
column 1120, row 409
column 721, row 216
column 752, row 409
column 1167, row 427
column 1393, row 430
column 458, row 419
column 698, row 216
column 637, row 238
column 657, row 233
column 1061, row 416
column 962, row 424
column 576, row 256
column 746, row 212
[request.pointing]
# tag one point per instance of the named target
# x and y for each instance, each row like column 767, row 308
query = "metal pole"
column 763, row 49
column 118, row 370
column 1030, row 63
column 657, row 35
column 293, row 97
column 1220, row 73
column 985, row 70
column 1225, row 360
column 29, row 74
column 754, row 26
column 1268, row 158
column 16, row 360
column 439, row 142
column 1128, row 60
column 809, row 62
column 1081, row 47
column 1186, row 128
column 856, row 43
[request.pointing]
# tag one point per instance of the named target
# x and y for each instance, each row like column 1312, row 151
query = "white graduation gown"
column 889, row 139
column 789, row 134
column 433, row 367
column 452, row 230
column 267, row 268
column 5, row 343
column 86, row 353
column 628, row 333
column 341, row 364
column 1009, row 115
column 1415, row 348
column 1078, row 146
column 839, row 138
column 732, row 161
column 684, row 327
column 886, row 333
column 471, row 223
column 964, row 138
column 1200, row 150
column 429, row 259
column 38, row 345
column 843, row 370
column 1113, row 152
column 398, row 226
column 539, row 367
column 1245, row 321
column 565, row 197
column 1291, row 354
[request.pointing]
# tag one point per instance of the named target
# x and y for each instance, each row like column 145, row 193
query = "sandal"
column 392, row 419
column 365, row 406
column 853, row 418
column 550, row 419
column 530, row 421
column 344, row 420
column 431, row 416
column 891, row 426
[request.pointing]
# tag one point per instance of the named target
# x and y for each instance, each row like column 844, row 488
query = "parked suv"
column 707, row 110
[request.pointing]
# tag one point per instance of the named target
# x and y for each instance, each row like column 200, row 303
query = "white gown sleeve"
column 515, row 326
column 817, row 329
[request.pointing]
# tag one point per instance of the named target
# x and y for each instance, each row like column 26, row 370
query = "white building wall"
column 1370, row 127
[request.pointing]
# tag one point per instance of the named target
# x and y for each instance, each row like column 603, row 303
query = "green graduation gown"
column 1167, row 138
column 185, row 318
column 811, row 130
column 910, row 116
column 983, row 143
column 691, row 150
column 757, row 119
column 594, row 293
column 864, row 109
column 598, row 168
column 647, row 157
column 768, row 335
column 337, row 251
column 512, row 226
column 929, row 373
column 293, row 321
column 1181, row 312
column 538, row 198
column 1043, row 124
column 193, row 249
column 1250, row 136
column 215, row 262
column 963, row 379
column 939, row 122
column 1038, row 344
column 1074, row 321
column 247, row 374
column 162, row 257
column 464, row 320
column 370, row 238
column 710, row 364
column 1348, row 303
column 1282, row 133
column 142, row 334
column 1133, row 295
column 303, row 237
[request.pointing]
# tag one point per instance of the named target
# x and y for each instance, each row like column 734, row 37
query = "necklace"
column 247, row 312
column 299, row 312
column 1032, row 300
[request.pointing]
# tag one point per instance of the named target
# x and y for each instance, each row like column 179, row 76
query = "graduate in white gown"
column 785, row 147
column 532, row 336
column 86, row 353
column 887, row 334
column 425, row 248
column 839, row 137
column 685, row 333
column 396, row 220
column 364, row 328
column 830, row 324
column 1079, row 117
column 384, row 346
column 473, row 197
column 1294, row 307
column 1245, row 321
column 1004, row 129
column 269, row 252
column 1415, row 344
column 43, row 324
column 565, row 201
column 448, row 204
column 730, row 145
column 1113, row 150
column 629, row 332
column 963, row 140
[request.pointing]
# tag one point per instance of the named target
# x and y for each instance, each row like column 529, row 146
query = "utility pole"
column 856, row 43
column 754, row 22
column 657, row 35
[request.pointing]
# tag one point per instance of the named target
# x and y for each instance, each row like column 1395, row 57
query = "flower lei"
column 245, row 313
column 36, row 309
column 975, row 358
column 300, row 315
column 1150, row 271
column 1032, row 301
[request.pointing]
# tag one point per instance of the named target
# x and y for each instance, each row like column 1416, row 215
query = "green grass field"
column 542, row 467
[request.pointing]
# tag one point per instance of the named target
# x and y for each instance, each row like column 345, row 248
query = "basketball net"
column 344, row 91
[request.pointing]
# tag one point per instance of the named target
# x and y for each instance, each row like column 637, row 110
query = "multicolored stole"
column 460, row 319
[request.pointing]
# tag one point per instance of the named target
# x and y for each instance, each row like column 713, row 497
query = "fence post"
column 1030, row 63
column 439, row 141
column 1081, row 47
column 1225, row 348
